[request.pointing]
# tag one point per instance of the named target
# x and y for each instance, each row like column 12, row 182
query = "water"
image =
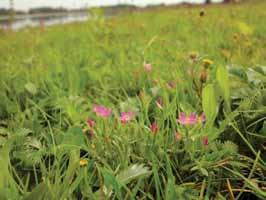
column 42, row 20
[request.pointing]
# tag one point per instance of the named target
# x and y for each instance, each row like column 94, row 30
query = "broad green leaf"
column 204, row 171
column 170, row 190
column 238, row 72
column 133, row 172
column 223, row 81
column 260, row 69
column 209, row 103
column 74, row 136
column 255, row 77
column 111, row 181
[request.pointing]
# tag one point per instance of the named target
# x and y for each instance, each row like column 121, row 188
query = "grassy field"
column 167, row 104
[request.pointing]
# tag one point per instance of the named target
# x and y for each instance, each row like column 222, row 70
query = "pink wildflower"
column 126, row 117
column 90, row 123
column 147, row 67
column 102, row 111
column 154, row 128
column 187, row 120
column 205, row 141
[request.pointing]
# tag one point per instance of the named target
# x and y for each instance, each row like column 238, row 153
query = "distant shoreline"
column 42, row 11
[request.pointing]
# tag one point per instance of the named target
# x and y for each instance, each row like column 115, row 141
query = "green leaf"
column 170, row 190
column 204, row 171
column 133, row 172
column 155, row 91
column 255, row 77
column 222, row 77
column 131, row 104
column 110, row 181
column 74, row 136
column 40, row 192
column 238, row 72
column 209, row 103
column 185, row 192
column 31, row 88
column 260, row 69
column 263, row 129
column 244, row 28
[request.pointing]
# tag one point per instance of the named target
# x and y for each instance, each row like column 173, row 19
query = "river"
column 34, row 20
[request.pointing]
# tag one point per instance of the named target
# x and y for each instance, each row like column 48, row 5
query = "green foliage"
column 222, row 77
column 50, row 79
column 209, row 103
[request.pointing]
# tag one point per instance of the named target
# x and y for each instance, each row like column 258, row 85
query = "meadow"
column 169, row 103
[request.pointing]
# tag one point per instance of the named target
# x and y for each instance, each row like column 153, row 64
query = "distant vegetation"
column 115, row 8
column 4, row 11
column 47, row 10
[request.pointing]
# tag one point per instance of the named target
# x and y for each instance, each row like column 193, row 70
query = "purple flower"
column 126, row 117
column 187, row 120
column 102, row 111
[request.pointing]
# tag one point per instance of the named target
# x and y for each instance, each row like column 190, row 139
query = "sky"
column 26, row 4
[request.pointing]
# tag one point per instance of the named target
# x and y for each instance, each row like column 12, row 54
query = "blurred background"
column 16, row 14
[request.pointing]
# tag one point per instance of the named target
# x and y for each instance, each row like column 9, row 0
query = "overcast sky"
column 26, row 4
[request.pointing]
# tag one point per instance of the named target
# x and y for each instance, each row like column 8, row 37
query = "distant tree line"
column 4, row 11
column 46, row 10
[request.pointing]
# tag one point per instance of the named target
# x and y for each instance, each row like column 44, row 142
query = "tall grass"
column 51, row 79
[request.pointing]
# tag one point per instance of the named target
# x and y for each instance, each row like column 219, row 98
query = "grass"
column 51, row 78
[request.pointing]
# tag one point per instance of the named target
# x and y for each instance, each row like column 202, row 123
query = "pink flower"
column 187, row 120
column 126, row 117
column 159, row 102
column 147, row 67
column 102, row 111
column 192, row 119
column 205, row 141
column 90, row 123
column 154, row 128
